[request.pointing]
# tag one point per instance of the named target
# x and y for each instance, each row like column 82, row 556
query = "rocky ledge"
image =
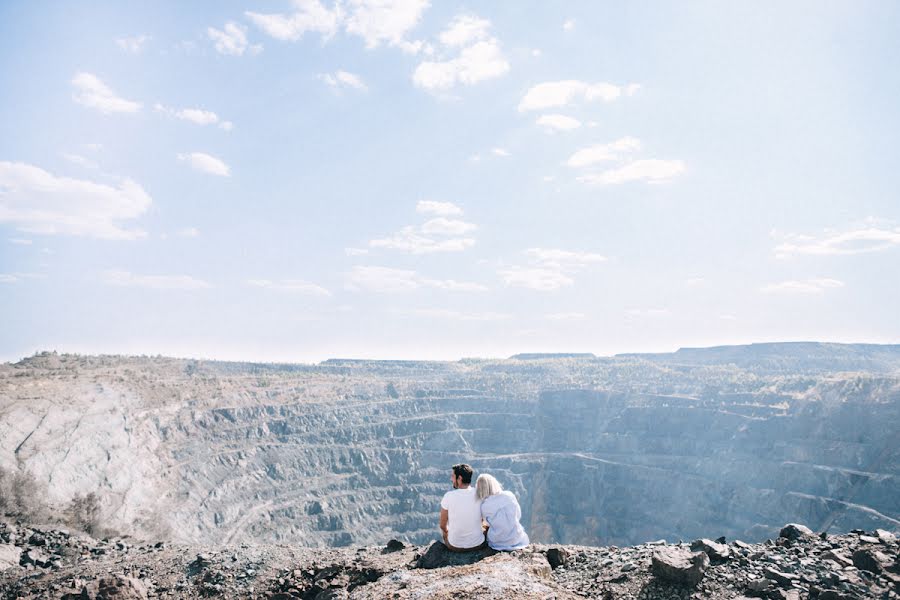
column 53, row 563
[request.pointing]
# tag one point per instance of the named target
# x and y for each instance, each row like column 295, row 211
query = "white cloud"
column 439, row 313
column 198, row 116
column 189, row 232
column 564, row 259
column 156, row 282
column 206, row 163
column 231, row 40
column 375, row 21
column 93, row 93
column 568, row 25
column 340, row 79
column 77, row 159
column 650, row 170
column 388, row 280
column 39, row 202
column 356, row 251
column 444, row 209
column 806, row 286
column 479, row 62
column 5, row 278
column 540, row 279
column 648, row 312
column 443, row 226
column 20, row 241
column 410, row 240
column 134, row 44
column 465, row 29
column 552, row 94
column 568, row 316
column 558, row 122
column 385, row 21
column 290, row 285
column 833, row 243
column 551, row 269
column 310, row 16
column 604, row 152
column 500, row 152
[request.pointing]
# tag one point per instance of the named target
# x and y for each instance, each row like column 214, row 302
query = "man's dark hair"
column 464, row 471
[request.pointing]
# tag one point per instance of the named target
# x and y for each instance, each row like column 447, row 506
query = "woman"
column 502, row 513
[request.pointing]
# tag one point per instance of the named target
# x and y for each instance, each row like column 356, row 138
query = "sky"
column 403, row 179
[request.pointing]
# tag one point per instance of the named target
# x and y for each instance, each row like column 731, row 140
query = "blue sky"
column 402, row 179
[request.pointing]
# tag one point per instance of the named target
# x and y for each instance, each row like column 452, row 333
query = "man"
column 460, row 513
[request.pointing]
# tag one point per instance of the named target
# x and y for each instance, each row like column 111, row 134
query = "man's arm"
column 445, row 519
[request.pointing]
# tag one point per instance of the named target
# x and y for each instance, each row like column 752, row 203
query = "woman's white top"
column 502, row 513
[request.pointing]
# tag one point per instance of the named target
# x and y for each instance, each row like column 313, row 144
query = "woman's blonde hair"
column 487, row 485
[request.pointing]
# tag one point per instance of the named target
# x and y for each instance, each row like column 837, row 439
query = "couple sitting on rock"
column 484, row 515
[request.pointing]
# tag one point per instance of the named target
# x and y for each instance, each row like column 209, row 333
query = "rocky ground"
column 53, row 563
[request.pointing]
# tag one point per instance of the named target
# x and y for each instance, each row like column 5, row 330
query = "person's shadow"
column 438, row 555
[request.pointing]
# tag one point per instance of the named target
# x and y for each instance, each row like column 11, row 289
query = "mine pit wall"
column 323, row 462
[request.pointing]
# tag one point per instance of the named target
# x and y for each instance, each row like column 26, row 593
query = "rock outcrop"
column 806, row 568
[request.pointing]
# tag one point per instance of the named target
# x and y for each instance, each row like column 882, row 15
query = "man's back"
column 465, row 518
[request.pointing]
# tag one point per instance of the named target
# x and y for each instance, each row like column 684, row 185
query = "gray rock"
column 785, row 580
column 870, row 560
column 795, row 531
column 557, row 557
column 679, row 565
column 9, row 556
column 716, row 551
column 885, row 536
column 394, row 546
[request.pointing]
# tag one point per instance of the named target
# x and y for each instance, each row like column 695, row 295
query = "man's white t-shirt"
column 464, row 528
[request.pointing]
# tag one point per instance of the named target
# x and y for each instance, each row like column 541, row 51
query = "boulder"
column 785, row 580
column 795, row 531
column 679, row 565
column 394, row 546
column 870, row 560
column 9, row 556
column 438, row 555
column 885, row 536
column 120, row 588
column 557, row 557
column 34, row 557
column 717, row 552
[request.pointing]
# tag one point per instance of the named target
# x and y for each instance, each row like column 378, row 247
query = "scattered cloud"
column 356, row 251
column 375, row 21
column 568, row 25
column 197, row 116
column 388, row 280
column 20, row 241
column 134, row 44
column 554, row 123
column 93, row 93
column 36, row 201
column 649, row 170
column 455, row 315
column 564, row 259
column 5, row 278
column 344, row 79
column 805, row 286
column 231, row 40
column 553, row 94
column 157, row 282
column 550, row 268
column 480, row 57
column 444, row 209
column 438, row 234
column 543, row 280
column 444, row 226
column 189, row 232
column 19, row 277
column 385, row 21
column 567, row 316
column 648, row 312
column 410, row 240
column 503, row 152
column 833, row 243
column 290, row 285
column 77, row 159
column 465, row 29
column 604, row 152
column 206, row 163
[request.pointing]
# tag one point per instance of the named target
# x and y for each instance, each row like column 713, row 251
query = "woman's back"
column 502, row 513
